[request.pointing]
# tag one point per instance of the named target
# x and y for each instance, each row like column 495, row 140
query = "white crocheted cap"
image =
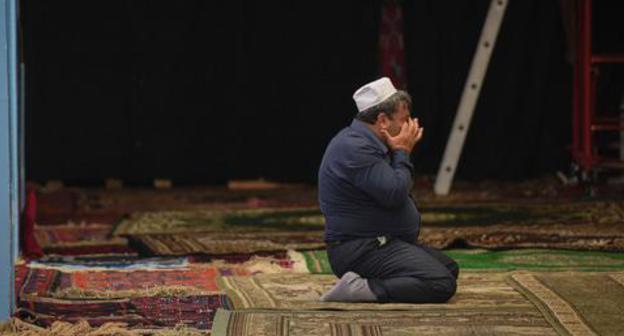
column 373, row 93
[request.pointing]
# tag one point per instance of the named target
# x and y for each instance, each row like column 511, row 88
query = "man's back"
column 364, row 188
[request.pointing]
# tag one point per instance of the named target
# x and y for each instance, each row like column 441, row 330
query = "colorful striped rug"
column 151, row 312
column 145, row 294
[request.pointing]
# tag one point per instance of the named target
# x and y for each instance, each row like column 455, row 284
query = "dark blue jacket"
column 364, row 189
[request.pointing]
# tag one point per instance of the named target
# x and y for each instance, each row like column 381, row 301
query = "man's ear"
column 383, row 121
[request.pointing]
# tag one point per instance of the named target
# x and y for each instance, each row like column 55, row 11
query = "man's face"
column 398, row 119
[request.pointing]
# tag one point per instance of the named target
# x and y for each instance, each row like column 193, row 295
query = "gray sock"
column 350, row 288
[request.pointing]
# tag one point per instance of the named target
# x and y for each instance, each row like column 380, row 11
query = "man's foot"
column 350, row 288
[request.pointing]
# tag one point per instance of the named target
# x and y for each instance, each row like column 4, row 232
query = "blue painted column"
column 9, row 159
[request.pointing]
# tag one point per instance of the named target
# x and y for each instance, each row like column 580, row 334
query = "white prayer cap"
column 373, row 93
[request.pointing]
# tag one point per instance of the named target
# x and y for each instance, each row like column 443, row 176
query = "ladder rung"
column 607, row 58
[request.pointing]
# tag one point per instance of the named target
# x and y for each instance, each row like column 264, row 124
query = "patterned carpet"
column 377, row 323
column 487, row 303
column 252, row 263
column 81, row 239
column 145, row 294
column 224, row 231
column 151, row 312
column 296, row 291
column 577, row 304
column 278, row 294
column 583, row 225
column 576, row 225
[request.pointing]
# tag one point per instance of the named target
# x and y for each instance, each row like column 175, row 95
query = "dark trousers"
column 397, row 271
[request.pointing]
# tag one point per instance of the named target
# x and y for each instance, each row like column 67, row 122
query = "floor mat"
column 80, row 239
column 485, row 304
column 487, row 290
column 577, row 303
column 143, row 293
column 515, row 322
column 225, row 231
column 529, row 224
column 196, row 311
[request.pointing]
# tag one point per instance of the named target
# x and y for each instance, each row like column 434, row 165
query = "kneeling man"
column 372, row 223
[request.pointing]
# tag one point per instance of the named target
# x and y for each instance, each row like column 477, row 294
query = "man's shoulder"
column 352, row 147
column 351, row 138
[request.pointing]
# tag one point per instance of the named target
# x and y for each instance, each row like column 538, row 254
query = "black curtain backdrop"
column 521, row 124
column 203, row 92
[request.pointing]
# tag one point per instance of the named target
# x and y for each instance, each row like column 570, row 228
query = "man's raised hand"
column 410, row 134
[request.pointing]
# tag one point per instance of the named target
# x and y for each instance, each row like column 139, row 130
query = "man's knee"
column 443, row 289
column 438, row 290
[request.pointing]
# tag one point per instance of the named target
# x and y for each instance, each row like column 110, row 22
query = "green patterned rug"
column 571, row 225
column 531, row 259
column 225, row 231
column 590, row 225
column 310, row 218
column 246, row 220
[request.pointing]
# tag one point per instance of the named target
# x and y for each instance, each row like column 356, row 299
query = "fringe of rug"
column 164, row 291
column 17, row 327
